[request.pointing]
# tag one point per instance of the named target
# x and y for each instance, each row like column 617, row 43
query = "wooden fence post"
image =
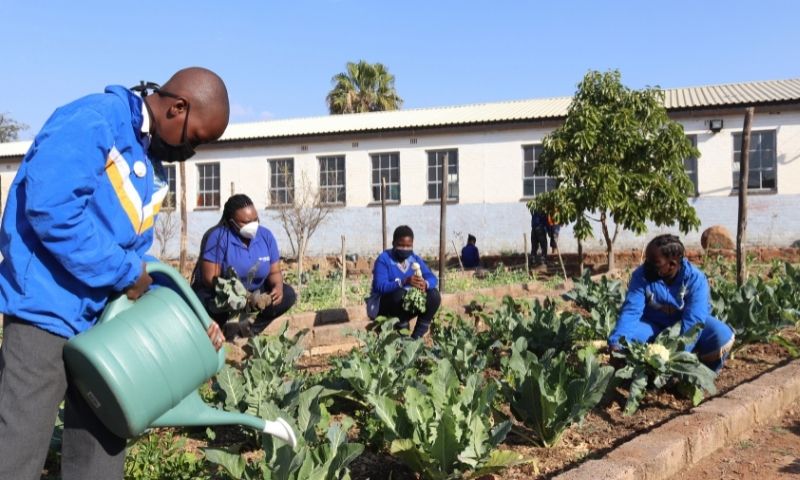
column 443, row 222
column 744, row 176
column 344, row 272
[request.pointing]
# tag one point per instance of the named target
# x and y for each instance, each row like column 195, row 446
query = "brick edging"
column 685, row 440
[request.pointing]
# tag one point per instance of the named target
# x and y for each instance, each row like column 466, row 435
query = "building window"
column 169, row 177
column 281, row 181
column 208, row 185
column 386, row 166
column 331, row 180
column 763, row 173
column 690, row 165
column 435, row 162
column 533, row 184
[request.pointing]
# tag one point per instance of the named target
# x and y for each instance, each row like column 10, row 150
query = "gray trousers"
column 33, row 382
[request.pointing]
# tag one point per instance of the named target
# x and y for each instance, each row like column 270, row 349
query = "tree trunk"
column 741, row 230
column 580, row 257
column 609, row 243
column 301, row 252
column 184, row 219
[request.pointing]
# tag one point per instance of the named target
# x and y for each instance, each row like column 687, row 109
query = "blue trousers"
column 712, row 347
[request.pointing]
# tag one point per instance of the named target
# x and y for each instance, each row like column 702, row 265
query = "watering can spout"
column 193, row 412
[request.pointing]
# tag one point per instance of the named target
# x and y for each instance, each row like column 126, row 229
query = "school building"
column 491, row 150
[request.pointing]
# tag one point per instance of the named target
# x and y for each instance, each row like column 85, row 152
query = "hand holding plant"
column 415, row 299
column 662, row 361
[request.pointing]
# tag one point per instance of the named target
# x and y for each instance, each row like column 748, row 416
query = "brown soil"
column 770, row 452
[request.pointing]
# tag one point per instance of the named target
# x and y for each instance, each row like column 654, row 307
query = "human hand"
column 259, row 300
column 142, row 284
column 277, row 295
column 418, row 282
column 215, row 335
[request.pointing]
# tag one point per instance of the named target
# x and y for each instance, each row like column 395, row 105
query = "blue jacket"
column 470, row 256
column 388, row 276
column 80, row 213
column 687, row 301
column 538, row 219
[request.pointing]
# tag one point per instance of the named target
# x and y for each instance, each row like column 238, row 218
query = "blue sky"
column 278, row 58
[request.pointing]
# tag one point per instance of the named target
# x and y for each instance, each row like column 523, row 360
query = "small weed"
column 746, row 444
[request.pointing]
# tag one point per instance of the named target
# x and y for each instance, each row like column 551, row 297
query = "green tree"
column 617, row 157
column 9, row 128
column 364, row 87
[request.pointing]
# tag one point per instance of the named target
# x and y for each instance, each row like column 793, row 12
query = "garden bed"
column 603, row 429
column 498, row 360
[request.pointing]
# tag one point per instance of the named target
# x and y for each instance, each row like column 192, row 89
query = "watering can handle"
column 165, row 277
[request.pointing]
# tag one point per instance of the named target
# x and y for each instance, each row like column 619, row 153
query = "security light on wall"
column 715, row 125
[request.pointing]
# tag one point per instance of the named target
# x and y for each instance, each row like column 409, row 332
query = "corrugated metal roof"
column 539, row 109
column 752, row 93
column 711, row 96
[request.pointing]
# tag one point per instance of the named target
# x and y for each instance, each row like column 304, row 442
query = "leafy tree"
column 364, row 87
column 620, row 157
column 10, row 128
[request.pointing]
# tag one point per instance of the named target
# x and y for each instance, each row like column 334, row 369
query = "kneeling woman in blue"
column 239, row 241
column 393, row 277
column 668, row 289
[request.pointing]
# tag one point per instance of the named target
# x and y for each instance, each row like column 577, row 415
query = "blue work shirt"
column 226, row 248
column 539, row 220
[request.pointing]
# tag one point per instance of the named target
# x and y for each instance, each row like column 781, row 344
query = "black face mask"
column 167, row 152
column 401, row 255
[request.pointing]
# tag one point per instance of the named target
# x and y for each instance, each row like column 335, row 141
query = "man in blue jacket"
column 393, row 277
column 665, row 290
column 77, row 224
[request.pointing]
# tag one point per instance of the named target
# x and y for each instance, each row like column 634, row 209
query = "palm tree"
column 364, row 87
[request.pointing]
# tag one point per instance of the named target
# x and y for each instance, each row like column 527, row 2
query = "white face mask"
column 249, row 230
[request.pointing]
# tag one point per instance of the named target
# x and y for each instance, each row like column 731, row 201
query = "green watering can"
column 142, row 364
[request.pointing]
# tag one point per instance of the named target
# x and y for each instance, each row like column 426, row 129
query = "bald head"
column 208, row 97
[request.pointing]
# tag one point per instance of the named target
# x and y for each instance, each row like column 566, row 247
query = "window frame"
column 172, row 187
column 533, row 177
column 389, row 184
column 339, row 188
column 736, row 166
column 437, row 183
column 288, row 189
column 202, row 192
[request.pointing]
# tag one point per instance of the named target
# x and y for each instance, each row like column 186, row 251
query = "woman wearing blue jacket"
column 668, row 289
column 393, row 277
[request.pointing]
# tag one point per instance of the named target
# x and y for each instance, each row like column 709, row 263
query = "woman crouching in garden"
column 239, row 246
column 668, row 289
column 403, row 286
